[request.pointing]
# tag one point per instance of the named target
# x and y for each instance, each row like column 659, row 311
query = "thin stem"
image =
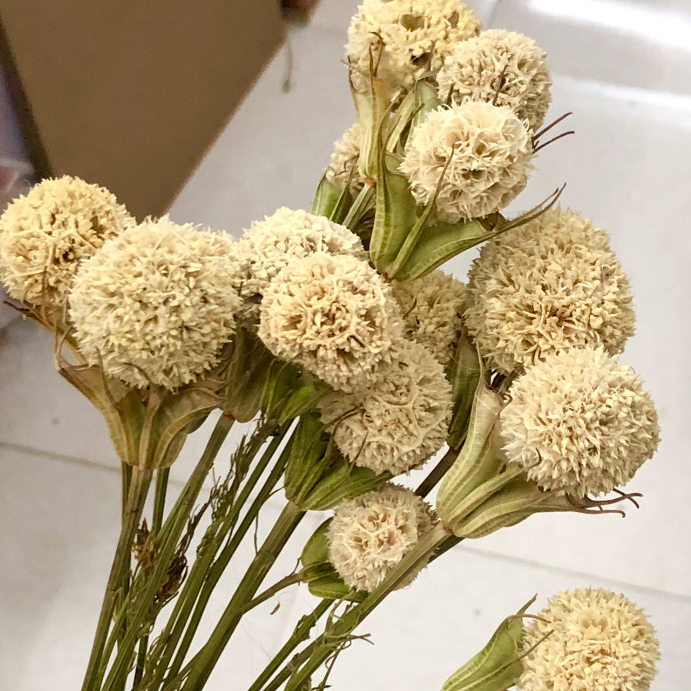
column 359, row 206
column 437, row 473
column 282, row 584
column 136, row 497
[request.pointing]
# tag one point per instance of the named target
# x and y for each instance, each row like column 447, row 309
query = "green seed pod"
column 464, row 374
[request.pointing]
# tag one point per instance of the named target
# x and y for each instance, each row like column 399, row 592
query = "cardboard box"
column 131, row 93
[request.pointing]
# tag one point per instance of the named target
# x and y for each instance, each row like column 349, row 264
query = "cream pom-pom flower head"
column 499, row 67
column 551, row 284
column 475, row 157
column 156, row 304
column 586, row 639
column 396, row 422
column 269, row 245
column 45, row 234
column 370, row 534
column 333, row 315
column 343, row 166
column 579, row 423
column 406, row 39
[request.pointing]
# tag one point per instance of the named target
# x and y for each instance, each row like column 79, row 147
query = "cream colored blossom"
column 269, row 245
column 490, row 151
column 343, row 168
column 397, row 421
column 499, row 67
column 47, row 232
column 579, row 422
column 334, row 315
column 407, row 39
column 432, row 309
column 156, row 303
column 587, row 639
column 370, row 534
column 550, row 284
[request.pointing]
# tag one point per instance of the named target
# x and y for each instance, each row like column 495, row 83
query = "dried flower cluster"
column 588, row 639
column 370, row 534
column 397, row 421
column 155, row 304
column 406, row 39
column 579, row 422
column 499, row 67
column 551, row 284
column 46, row 233
column 474, row 157
column 343, row 168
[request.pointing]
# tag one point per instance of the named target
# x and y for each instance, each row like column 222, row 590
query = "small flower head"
column 406, row 39
column 271, row 244
column 343, row 168
column 588, row 639
column 432, row 309
column 398, row 420
column 47, row 232
column 580, row 423
column 476, row 154
column 332, row 314
column 370, row 534
column 499, row 67
column 551, row 284
column 155, row 304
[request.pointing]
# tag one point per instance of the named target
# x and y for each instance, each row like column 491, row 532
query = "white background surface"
column 624, row 69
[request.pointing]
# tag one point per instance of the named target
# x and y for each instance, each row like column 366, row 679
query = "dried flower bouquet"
column 356, row 360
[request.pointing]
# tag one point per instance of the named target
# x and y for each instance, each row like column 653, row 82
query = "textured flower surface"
column 47, row 232
column 343, row 167
column 489, row 150
column 398, row 420
column 579, row 422
column 333, row 315
column 432, row 309
column 156, row 303
column 271, row 244
column 551, row 284
column 370, row 534
column 589, row 639
column 499, row 67
column 406, row 39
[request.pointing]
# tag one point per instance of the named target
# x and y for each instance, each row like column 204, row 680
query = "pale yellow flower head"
column 343, row 167
column 47, row 232
column 579, row 422
column 490, row 151
column 396, row 422
column 407, row 38
column 597, row 639
column 156, row 304
column 432, row 309
column 370, row 534
column 551, row 284
column 499, row 67
column 332, row 314
column 269, row 245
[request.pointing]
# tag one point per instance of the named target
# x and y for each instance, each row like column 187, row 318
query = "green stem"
column 282, row 584
column 169, row 536
column 136, row 497
column 205, row 661
column 359, row 207
column 299, row 635
column 437, row 473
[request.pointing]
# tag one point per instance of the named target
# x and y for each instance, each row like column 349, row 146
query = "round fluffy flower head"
column 156, row 303
column 406, row 38
column 370, row 534
column 499, row 65
column 588, row 639
column 271, row 244
column 490, row 151
column 343, row 168
column 47, row 232
column 432, row 309
column 331, row 314
column 579, row 422
column 551, row 284
column 398, row 420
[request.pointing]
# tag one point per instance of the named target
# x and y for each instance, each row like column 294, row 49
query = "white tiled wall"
column 624, row 69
